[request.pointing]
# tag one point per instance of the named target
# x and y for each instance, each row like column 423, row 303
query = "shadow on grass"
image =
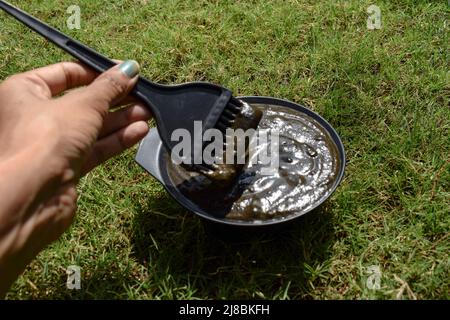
column 216, row 262
column 187, row 257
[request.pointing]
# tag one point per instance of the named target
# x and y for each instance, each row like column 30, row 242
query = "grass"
column 385, row 91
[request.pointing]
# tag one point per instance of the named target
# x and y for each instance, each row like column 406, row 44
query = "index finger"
column 64, row 76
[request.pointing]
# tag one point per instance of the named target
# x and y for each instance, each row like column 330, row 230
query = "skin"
column 48, row 141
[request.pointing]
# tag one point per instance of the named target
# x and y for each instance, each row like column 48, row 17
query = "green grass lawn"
column 385, row 91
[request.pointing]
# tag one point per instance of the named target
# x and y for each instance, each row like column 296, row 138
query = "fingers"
column 124, row 117
column 115, row 143
column 129, row 100
column 62, row 76
column 107, row 90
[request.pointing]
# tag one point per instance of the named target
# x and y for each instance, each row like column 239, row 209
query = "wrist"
column 29, row 179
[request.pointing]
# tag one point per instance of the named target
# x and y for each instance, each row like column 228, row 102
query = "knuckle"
column 128, row 114
column 69, row 76
column 121, row 142
column 116, row 85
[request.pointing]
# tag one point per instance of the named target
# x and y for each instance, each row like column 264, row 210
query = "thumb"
column 110, row 87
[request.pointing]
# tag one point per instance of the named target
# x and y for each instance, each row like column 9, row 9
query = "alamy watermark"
column 73, row 278
column 234, row 146
column 373, row 281
column 374, row 19
column 74, row 21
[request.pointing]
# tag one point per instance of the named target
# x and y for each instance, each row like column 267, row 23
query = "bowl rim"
column 189, row 205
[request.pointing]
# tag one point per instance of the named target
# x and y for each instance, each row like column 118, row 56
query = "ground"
column 386, row 91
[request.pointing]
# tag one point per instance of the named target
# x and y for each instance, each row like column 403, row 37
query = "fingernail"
column 130, row 68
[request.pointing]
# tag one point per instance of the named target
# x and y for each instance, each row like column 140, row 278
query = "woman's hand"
column 47, row 142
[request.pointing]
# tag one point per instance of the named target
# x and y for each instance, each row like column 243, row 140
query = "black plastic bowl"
column 151, row 157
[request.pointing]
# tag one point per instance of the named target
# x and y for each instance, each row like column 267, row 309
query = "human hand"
column 48, row 142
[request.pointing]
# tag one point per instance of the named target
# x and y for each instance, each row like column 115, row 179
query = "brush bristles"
column 226, row 120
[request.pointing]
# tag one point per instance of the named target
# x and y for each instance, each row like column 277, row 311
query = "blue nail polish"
column 130, row 68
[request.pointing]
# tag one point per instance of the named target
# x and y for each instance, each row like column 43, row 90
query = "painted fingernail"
column 130, row 68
